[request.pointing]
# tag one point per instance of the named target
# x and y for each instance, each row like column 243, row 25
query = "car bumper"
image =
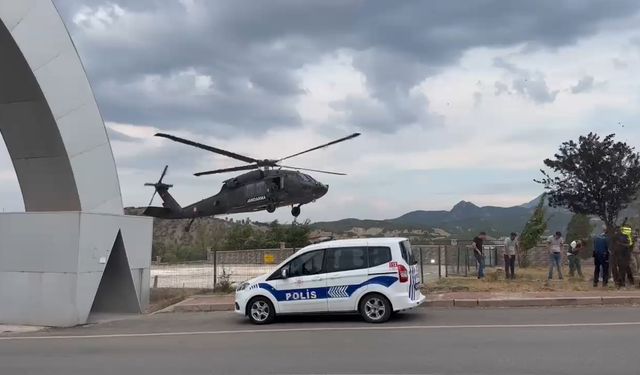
column 402, row 303
column 240, row 303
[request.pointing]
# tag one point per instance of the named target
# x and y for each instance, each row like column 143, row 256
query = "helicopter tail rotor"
column 158, row 185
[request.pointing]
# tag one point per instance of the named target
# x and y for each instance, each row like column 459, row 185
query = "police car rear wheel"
column 261, row 311
column 375, row 308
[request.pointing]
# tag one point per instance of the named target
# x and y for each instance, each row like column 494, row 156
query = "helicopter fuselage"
column 268, row 186
column 258, row 190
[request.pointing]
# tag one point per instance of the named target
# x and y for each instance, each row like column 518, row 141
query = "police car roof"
column 354, row 242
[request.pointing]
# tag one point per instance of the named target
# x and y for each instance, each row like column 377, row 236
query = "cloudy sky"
column 455, row 100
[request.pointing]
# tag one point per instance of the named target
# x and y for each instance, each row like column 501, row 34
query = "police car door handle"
column 336, row 276
column 316, row 279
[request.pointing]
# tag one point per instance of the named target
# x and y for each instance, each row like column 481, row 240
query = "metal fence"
column 232, row 267
column 221, row 267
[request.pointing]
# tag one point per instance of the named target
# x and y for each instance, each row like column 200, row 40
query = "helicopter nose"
column 320, row 190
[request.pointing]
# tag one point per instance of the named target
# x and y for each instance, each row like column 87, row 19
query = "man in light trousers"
column 510, row 250
column 556, row 243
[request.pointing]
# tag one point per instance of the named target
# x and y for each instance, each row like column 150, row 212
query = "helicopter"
column 267, row 186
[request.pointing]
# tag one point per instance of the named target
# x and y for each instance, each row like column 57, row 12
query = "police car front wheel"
column 261, row 311
column 375, row 308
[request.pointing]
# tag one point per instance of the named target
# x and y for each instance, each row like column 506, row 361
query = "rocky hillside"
column 464, row 220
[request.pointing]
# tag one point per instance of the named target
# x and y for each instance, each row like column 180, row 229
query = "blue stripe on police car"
column 343, row 291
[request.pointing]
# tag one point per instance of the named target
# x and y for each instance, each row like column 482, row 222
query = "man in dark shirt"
column 601, row 259
column 478, row 242
column 621, row 258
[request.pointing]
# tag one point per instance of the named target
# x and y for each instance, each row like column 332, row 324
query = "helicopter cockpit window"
column 305, row 178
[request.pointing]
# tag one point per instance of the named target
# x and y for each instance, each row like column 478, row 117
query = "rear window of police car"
column 353, row 258
column 379, row 255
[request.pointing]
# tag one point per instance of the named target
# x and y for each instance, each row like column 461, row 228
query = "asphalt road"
column 474, row 341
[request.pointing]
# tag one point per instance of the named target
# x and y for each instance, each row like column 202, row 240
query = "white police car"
column 373, row 276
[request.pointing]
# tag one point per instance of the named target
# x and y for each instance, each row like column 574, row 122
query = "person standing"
column 556, row 243
column 575, row 264
column 635, row 254
column 478, row 243
column 510, row 250
column 601, row 259
column 622, row 255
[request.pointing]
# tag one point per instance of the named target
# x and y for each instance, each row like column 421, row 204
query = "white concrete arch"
column 48, row 115
column 73, row 250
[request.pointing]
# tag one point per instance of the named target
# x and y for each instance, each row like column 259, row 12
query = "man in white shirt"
column 510, row 250
column 556, row 243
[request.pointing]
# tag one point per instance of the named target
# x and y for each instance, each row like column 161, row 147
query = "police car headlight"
column 242, row 286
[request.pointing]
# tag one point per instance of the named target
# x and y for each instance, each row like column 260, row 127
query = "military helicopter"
column 268, row 186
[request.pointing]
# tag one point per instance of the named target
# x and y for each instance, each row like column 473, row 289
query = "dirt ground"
column 163, row 297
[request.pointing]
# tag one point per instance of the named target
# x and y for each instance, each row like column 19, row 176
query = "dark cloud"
column 585, row 84
column 535, row 88
column 252, row 52
column 531, row 85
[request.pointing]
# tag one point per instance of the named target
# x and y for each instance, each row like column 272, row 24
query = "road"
column 602, row 340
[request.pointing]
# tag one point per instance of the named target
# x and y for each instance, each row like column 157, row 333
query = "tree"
column 580, row 228
column 531, row 233
column 298, row 234
column 209, row 236
column 239, row 237
column 593, row 177
column 634, row 220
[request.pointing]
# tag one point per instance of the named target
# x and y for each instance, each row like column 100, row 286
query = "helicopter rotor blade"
column 216, row 150
column 164, row 172
column 152, row 196
column 322, row 146
column 312, row 170
column 242, row 168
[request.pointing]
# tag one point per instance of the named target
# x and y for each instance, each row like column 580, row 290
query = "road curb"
column 190, row 306
column 536, row 302
column 203, row 307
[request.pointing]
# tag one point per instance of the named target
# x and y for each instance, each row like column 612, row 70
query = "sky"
column 454, row 100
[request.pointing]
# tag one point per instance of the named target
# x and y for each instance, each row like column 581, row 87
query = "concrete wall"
column 51, row 264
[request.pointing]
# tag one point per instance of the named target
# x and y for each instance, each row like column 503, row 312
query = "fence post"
column 466, row 261
column 458, row 260
column 421, row 267
column 155, row 281
column 446, row 263
column 215, row 269
column 439, row 262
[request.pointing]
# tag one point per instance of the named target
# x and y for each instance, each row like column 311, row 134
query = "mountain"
column 464, row 220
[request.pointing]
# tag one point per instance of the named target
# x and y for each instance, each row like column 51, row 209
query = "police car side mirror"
column 284, row 273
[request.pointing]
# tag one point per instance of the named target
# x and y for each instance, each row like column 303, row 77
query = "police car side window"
column 379, row 255
column 307, row 264
column 346, row 258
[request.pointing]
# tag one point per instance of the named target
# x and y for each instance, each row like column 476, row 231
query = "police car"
column 374, row 277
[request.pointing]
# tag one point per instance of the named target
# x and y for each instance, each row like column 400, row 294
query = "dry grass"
column 527, row 280
column 163, row 297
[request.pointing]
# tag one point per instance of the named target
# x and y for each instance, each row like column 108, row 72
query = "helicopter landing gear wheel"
column 271, row 208
column 295, row 211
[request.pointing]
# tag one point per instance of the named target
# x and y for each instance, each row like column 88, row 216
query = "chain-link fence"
column 224, row 269
column 221, row 269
